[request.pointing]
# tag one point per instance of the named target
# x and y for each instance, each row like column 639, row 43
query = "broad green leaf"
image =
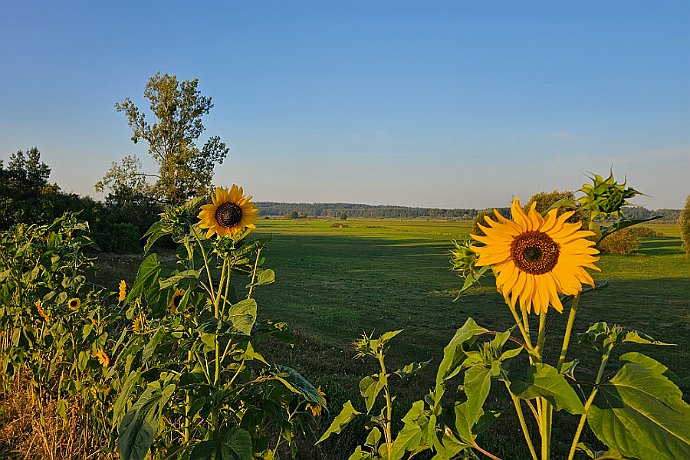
column 138, row 427
column 341, row 420
column 477, row 385
column 123, row 397
column 370, row 387
column 544, row 381
column 453, row 353
column 641, row 413
column 386, row 336
column 263, row 276
column 147, row 274
column 153, row 343
column 374, row 437
column 243, row 315
column 237, row 445
column 639, row 337
column 250, row 354
column 294, row 381
column 156, row 231
column 173, row 280
column 621, row 224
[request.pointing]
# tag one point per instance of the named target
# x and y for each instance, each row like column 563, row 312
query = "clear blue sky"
column 421, row 103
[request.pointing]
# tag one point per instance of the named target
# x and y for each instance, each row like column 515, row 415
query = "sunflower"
column 42, row 312
column 138, row 324
column 315, row 409
column 534, row 257
column 102, row 358
column 175, row 300
column 74, row 304
column 123, row 291
column 229, row 213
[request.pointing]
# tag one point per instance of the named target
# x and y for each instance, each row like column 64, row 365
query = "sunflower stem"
column 256, row 265
column 568, row 332
column 525, row 334
column 523, row 424
column 542, row 335
column 588, row 404
column 525, row 319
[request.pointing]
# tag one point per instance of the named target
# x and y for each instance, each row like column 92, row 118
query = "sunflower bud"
column 605, row 197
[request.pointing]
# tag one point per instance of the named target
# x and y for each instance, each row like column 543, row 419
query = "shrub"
column 645, row 232
column 479, row 219
column 684, row 224
column 621, row 242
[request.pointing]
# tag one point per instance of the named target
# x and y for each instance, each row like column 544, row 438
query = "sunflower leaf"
column 640, row 411
column 545, row 381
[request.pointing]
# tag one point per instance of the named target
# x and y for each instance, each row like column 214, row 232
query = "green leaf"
column 341, row 420
column 243, row 315
column 386, row 336
column 294, row 381
column 621, row 224
column 374, row 437
column 146, row 276
column 370, row 387
column 138, row 427
column 641, row 413
column 153, row 343
column 453, row 353
column 123, row 397
column 173, row 280
column 411, row 369
column 263, row 276
column 237, row 445
column 156, row 231
column 639, row 337
column 544, row 381
column 477, row 385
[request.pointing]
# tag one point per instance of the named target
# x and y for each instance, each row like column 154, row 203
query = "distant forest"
column 336, row 210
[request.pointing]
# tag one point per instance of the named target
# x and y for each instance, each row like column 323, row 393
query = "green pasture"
column 338, row 279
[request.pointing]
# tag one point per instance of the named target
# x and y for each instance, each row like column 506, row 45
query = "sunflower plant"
column 196, row 384
column 542, row 264
column 53, row 325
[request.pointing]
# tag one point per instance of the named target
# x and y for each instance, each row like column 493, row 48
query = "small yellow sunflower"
column 138, row 324
column 102, row 358
column 74, row 304
column 534, row 257
column 123, row 291
column 175, row 300
column 42, row 312
column 315, row 409
column 229, row 213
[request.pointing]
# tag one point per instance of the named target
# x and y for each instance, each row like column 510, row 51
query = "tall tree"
column 185, row 169
column 23, row 185
column 684, row 224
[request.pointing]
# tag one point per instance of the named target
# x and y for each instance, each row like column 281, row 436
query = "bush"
column 621, row 242
column 479, row 219
column 645, row 232
column 684, row 224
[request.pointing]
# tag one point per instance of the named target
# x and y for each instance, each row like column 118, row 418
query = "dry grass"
column 31, row 429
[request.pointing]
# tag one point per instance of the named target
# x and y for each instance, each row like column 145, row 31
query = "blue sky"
column 420, row 103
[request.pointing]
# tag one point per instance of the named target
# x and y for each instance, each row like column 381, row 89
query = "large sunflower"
column 534, row 257
column 229, row 213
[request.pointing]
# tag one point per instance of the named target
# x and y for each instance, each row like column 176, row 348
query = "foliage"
column 563, row 200
column 479, row 220
column 185, row 170
column 52, row 327
column 684, row 224
column 23, row 185
column 642, row 231
column 622, row 242
column 637, row 413
column 196, row 385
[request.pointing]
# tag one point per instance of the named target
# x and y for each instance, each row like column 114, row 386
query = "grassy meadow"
column 338, row 279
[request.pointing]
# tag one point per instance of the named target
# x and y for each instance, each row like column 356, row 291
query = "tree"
column 343, row 215
column 125, row 181
column 184, row 169
column 684, row 224
column 22, row 186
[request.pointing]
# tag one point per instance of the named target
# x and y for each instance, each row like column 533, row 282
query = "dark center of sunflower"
column 534, row 252
column 229, row 214
column 72, row 303
column 177, row 299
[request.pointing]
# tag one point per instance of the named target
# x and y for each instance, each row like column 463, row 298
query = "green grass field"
column 333, row 284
